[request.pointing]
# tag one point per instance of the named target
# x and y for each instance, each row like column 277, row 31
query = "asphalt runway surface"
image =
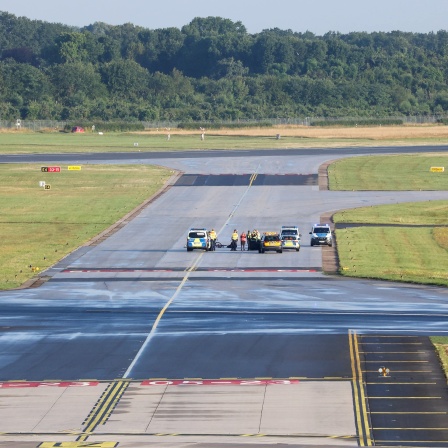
column 146, row 340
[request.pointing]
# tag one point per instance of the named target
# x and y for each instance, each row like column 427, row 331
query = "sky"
column 317, row 16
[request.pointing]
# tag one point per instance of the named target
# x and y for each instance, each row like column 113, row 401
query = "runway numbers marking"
column 78, row 444
column 217, row 382
column 19, row 384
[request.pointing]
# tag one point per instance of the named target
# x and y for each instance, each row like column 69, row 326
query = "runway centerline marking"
column 182, row 283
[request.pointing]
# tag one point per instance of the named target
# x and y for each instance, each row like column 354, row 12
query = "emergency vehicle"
column 321, row 234
column 290, row 237
column 198, row 239
column 270, row 241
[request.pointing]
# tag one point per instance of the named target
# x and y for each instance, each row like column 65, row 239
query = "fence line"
column 38, row 125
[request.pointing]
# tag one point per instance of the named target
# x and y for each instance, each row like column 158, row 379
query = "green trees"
column 213, row 69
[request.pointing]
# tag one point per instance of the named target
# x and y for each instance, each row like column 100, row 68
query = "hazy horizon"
column 325, row 16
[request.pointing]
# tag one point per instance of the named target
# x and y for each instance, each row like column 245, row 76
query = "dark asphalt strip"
column 179, row 279
column 232, row 180
column 132, row 156
column 198, row 269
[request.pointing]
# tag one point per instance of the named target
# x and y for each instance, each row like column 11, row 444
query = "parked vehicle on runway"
column 270, row 241
column 290, row 237
column 321, row 234
column 198, row 239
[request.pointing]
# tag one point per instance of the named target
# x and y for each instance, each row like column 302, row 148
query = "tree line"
column 213, row 69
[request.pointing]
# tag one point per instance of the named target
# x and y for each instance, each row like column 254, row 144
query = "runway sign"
column 50, row 169
column 437, row 169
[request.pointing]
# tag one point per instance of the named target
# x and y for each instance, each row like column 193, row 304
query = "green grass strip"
column 393, row 172
column 38, row 227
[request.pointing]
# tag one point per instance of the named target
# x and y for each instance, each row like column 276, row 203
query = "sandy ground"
column 373, row 133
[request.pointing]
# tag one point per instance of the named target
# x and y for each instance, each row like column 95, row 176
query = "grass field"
column 441, row 345
column 405, row 252
column 394, row 172
column 38, row 227
column 19, row 142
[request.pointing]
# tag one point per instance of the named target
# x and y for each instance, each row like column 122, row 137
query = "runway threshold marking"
column 359, row 397
column 182, row 283
column 103, row 408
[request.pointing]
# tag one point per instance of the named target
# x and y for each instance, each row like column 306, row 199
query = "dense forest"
column 213, row 69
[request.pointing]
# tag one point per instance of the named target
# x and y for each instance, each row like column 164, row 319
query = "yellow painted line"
column 77, row 444
column 362, row 391
column 103, row 408
column 252, row 179
column 355, row 391
column 362, row 420
column 404, row 398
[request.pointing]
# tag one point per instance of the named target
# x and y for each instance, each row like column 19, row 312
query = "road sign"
column 51, row 169
column 74, row 168
column 437, row 169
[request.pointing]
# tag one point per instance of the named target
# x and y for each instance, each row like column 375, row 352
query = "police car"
column 321, row 234
column 198, row 239
column 290, row 237
column 270, row 241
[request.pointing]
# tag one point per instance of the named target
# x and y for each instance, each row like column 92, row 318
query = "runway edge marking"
column 359, row 396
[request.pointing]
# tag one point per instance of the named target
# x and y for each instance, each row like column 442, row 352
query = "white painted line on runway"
column 184, row 280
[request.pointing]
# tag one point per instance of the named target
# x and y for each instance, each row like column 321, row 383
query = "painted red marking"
column 217, row 382
column 19, row 384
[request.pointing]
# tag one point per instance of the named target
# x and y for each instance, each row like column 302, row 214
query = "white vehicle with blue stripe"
column 290, row 237
column 198, row 239
column 321, row 234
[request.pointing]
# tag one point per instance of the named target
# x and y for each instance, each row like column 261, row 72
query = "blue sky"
column 317, row 16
